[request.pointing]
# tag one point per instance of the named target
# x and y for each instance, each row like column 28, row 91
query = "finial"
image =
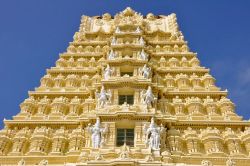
column 128, row 12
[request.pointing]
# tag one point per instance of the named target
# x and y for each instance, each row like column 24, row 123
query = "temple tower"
column 128, row 91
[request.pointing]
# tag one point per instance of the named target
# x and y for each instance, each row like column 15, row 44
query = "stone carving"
column 59, row 81
column 113, row 41
column 128, row 17
column 29, row 105
column 59, row 105
column 206, row 163
column 153, row 135
column 145, row 71
column 43, row 105
column 111, row 55
column 97, row 133
column 74, row 106
column 230, row 162
column 117, row 30
column 103, row 97
column 98, row 156
column 163, row 136
column 22, row 136
column 76, row 140
column 83, row 157
column 107, row 72
column 147, row 97
column 124, row 154
column 46, row 81
column 143, row 55
column 43, row 162
column 72, row 80
column 138, row 30
column 149, row 158
column 21, row 162
column 141, row 41
column 103, row 25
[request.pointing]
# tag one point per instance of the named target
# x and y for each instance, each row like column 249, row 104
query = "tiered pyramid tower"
column 127, row 92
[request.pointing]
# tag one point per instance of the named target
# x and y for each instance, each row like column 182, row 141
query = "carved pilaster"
column 76, row 141
column 213, row 142
column 40, row 141
column 175, row 141
column 192, row 141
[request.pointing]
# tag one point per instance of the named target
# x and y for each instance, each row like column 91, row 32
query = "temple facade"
column 127, row 92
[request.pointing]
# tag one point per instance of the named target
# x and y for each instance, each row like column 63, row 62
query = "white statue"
column 143, row 55
column 113, row 42
column 147, row 97
column 153, row 135
column 111, row 55
column 107, row 73
column 141, row 41
column 145, row 71
column 117, row 30
column 97, row 133
column 103, row 97
column 138, row 30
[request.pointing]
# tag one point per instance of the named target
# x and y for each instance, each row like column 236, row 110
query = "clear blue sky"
column 33, row 33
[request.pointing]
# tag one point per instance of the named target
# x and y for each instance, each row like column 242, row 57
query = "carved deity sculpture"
column 145, row 71
column 138, row 30
column 113, row 41
column 143, row 55
column 107, row 72
column 97, row 133
column 117, row 30
column 111, row 55
column 153, row 135
column 147, row 97
column 141, row 41
column 103, row 97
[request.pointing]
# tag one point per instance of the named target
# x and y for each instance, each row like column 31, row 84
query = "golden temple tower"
column 128, row 92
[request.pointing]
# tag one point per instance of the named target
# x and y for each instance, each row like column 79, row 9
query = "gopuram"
column 127, row 92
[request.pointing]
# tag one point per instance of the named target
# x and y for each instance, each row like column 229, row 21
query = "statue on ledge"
column 143, row 55
column 148, row 97
column 117, row 30
column 113, row 41
column 141, row 41
column 111, row 55
column 153, row 135
column 138, row 30
column 145, row 71
column 97, row 133
column 107, row 73
column 103, row 97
